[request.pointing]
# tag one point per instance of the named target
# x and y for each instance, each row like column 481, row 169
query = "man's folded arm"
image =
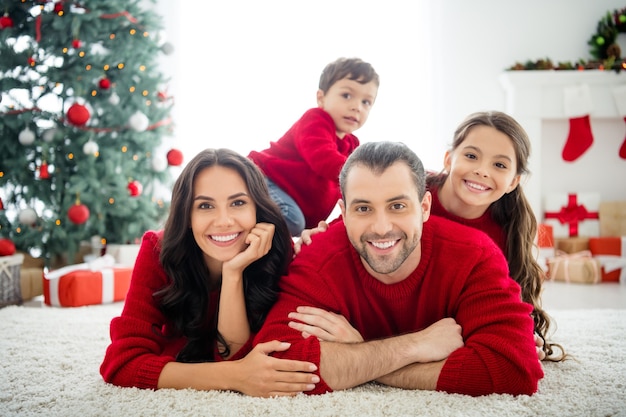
column 422, row 376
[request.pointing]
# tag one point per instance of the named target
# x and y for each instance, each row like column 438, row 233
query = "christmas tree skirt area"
column 50, row 361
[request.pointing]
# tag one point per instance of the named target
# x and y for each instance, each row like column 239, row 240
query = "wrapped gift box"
column 574, row 214
column 31, row 262
column 611, row 253
column 571, row 244
column 10, row 270
column 123, row 254
column 31, row 282
column 578, row 267
column 545, row 243
column 612, row 218
column 91, row 283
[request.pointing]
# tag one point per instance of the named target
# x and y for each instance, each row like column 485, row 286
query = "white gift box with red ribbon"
column 572, row 214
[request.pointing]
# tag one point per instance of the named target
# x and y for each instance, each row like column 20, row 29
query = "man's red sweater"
column 462, row 274
column 305, row 163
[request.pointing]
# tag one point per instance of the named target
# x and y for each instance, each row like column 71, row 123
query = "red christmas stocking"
column 578, row 106
column 579, row 138
column 622, row 149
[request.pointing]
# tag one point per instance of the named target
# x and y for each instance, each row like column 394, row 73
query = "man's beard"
column 385, row 264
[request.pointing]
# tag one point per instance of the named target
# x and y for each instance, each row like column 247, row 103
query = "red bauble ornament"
column 174, row 157
column 6, row 22
column 78, row 213
column 31, row 61
column 77, row 43
column 135, row 188
column 7, row 247
column 105, row 83
column 43, row 171
column 78, row 114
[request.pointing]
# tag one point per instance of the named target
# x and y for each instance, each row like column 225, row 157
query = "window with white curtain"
column 245, row 71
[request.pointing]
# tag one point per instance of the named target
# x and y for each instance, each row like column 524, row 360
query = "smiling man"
column 426, row 303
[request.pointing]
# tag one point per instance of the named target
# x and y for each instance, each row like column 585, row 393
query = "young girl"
column 203, row 286
column 479, row 187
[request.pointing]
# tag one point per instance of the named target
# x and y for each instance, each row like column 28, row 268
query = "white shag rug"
column 49, row 361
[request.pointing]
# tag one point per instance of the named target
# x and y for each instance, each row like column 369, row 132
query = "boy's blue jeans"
column 291, row 212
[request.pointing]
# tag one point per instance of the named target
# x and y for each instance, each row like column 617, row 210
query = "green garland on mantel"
column 604, row 48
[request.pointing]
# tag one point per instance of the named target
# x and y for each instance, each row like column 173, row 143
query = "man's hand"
column 324, row 325
column 437, row 341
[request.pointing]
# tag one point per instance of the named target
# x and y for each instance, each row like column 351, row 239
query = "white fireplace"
column 536, row 100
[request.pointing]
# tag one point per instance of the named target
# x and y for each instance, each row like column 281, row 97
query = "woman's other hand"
column 262, row 375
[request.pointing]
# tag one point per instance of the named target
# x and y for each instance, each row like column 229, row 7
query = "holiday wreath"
column 604, row 48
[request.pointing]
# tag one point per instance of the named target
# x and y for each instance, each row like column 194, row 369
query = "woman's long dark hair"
column 185, row 301
column 514, row 213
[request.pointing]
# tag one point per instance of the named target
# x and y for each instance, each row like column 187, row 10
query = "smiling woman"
column 243, row 71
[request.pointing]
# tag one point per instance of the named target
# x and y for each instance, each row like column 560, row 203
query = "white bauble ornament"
column 139, row 122
column 26, row 137
column 27, row 216
column 48, row 135
column 159, row 163
column 90, row 147
column 167, row 48
column 114, row 99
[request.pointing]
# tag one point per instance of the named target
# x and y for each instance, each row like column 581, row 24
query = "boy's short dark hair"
column 351, row 68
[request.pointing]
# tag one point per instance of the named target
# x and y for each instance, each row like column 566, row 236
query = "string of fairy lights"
column 48, row 118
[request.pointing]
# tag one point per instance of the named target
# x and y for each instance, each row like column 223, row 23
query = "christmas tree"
column 83, row 116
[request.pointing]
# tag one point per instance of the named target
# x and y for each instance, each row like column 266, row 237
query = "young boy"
column 302, row 168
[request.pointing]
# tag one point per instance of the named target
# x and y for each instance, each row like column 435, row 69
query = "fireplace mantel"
column 533, row 97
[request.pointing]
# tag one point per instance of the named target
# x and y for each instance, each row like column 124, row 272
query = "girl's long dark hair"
column 514, row 213
column 185, row 301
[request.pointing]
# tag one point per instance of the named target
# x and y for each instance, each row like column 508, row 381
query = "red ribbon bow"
column 573, row 213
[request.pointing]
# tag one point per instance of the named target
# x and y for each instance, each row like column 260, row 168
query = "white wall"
column 246, row 70
column 480, row 38
column 438, row 62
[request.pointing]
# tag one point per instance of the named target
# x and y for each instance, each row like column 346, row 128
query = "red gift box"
column 545, row 243
column 611, row 252
column 81, row 287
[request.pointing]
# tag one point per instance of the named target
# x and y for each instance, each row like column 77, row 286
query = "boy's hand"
column 305, row 236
